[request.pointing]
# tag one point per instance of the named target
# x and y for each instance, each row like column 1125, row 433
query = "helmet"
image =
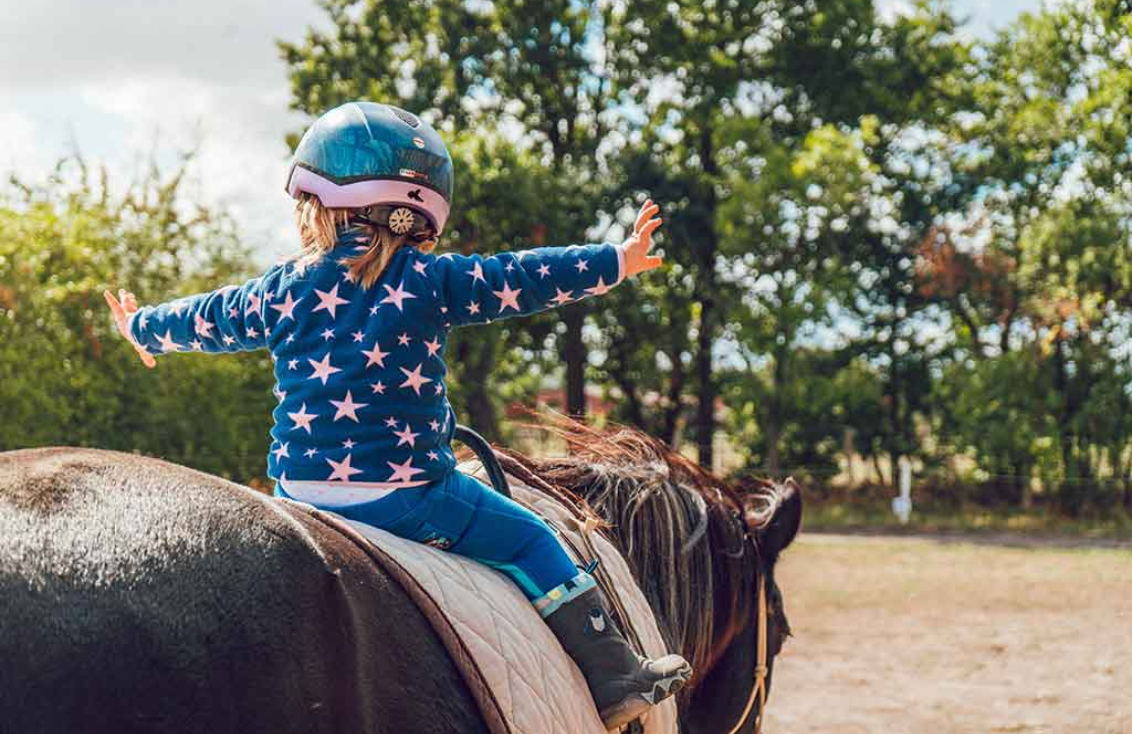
column 363, row 154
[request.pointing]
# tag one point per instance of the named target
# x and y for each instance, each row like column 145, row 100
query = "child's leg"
column 467, row 517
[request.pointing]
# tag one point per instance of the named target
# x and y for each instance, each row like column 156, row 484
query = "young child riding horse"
column 357, row 322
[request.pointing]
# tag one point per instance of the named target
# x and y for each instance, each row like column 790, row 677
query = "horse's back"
column 138, row 595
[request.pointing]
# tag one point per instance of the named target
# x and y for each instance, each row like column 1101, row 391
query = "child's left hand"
column 122, row 310
column 636, row 247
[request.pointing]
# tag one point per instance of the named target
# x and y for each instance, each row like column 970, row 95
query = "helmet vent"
column 406, row 117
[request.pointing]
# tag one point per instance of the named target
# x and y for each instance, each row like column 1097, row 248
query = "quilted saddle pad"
column 532, row 686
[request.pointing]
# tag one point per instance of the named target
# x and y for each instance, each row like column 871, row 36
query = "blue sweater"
column 360, row 373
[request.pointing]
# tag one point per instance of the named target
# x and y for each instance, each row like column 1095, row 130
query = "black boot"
column 623, row 684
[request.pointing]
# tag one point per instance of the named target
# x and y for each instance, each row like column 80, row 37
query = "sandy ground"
column 907, row 635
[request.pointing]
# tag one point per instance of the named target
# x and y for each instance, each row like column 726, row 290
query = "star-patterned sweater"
column 360, row 373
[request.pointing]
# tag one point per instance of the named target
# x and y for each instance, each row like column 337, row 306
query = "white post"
column 902, row 505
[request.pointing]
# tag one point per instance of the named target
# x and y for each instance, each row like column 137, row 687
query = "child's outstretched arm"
column 476, row 289
column 230, row 319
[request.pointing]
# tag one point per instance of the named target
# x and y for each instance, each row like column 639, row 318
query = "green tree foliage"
column 66, row 377
column 883, row 239
column 1039, row 264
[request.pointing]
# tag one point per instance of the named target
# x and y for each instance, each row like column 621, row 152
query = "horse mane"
column 678, row 526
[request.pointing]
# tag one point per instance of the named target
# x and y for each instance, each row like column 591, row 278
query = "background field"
column 950, row 636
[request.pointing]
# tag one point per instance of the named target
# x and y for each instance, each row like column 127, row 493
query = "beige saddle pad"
column 532, row 686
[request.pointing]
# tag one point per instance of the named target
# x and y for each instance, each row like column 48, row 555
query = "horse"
column 137, row 595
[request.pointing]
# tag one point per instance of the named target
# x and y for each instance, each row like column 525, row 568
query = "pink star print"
column 414, row 379
column 281, row 451
column 403, row 472
column 378, row 387
column 508, row 298
column 376, row 356
column 406, row 436
column 310, row 452
column 582, row 266
column 167, row 343
column 358, row 336
column 203, row 327
column 292, row 364
column 397, row 296
column 562, row 297
column 391, row 422
column 600, row 289
column 433, row 456
column 302, row 418
column 329, row 301
column 510, row 266
column 433, row 347
column 322, row 369
column 342, row 470
column 348, row 443
column 543, row 270
column 420, row 266
column 327, row 334
column 347, row 408
column 253, row 305
column 403, row 340
column 473, row 308
column 233, row 312
column 477, row 273
column 434, row 424
column 229, row 340
column 252, row 333
column 196, row 345
column 287, row 308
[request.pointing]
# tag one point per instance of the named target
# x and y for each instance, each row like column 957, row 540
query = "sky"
column 120, row 80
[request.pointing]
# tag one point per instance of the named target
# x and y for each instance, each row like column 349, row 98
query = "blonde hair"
column 318, row 232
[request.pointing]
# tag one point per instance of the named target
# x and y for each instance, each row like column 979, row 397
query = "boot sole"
column 633, row 707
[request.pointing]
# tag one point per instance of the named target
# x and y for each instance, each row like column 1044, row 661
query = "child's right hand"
column 636, row 247
column 122, row 310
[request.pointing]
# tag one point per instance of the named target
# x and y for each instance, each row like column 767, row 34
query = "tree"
column 65, row 375
column 1044, row 150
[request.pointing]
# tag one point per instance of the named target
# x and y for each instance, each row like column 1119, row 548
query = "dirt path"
column 905, row 635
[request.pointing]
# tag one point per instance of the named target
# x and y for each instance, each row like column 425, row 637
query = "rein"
column 758, row 689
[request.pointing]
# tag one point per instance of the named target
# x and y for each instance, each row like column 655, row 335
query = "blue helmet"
column 364, row 154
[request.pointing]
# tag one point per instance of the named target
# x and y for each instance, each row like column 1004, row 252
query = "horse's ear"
column 774, row 534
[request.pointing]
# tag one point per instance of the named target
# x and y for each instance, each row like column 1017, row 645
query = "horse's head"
column 700, row 548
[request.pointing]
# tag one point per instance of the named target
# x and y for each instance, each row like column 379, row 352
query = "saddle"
column 515, row 668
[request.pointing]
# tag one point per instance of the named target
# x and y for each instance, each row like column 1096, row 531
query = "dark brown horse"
column 142, row 596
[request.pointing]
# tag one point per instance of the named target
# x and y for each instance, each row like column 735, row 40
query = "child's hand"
column 122, row 311
column 636, row 247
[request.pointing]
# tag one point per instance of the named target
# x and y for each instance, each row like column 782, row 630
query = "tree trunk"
column 574, row 355
column 709, row 315
column 476, row 357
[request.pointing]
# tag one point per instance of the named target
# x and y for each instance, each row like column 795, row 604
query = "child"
column 357, row 324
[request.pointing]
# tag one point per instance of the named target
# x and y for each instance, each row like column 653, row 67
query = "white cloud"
column 21, row 149
column 60, row 42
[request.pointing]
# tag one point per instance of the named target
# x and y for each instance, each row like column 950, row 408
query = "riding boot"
column 623, row 684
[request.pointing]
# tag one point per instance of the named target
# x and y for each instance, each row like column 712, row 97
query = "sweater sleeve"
column 474, row 289
column 229, row 319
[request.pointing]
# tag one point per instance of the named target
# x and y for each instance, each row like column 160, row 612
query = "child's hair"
column 318, row 232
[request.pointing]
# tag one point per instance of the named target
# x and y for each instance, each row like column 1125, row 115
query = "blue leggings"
column 462, row 515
